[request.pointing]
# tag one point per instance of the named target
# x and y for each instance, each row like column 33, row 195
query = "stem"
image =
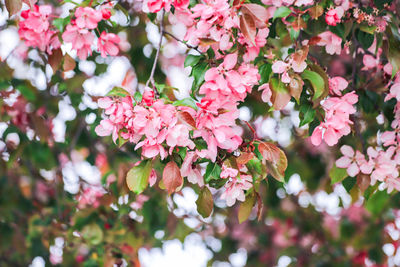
column 153, row 69
column 177, row 39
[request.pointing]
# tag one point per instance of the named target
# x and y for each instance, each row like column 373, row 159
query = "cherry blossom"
column 107, row 44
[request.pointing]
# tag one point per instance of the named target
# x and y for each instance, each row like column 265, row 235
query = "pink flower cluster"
column 79, row 33
column 283, row 68
column 382, row 164
column 36, row 29
column 149, row 127
column 156, row 5
column 337, row 115
column 236, row 185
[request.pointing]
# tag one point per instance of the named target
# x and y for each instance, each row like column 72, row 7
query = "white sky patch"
column 192, row 252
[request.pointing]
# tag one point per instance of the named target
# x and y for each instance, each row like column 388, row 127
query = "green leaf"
column 93, row 234
column 198, row 72
column 282, row 12
column 246, row 207
column 118, row 91
column 316, row 81
column 348, row 183
column 191, row 60
column 137, row 178
column 138, row 96
column 337, row 174
column 188, row 102
column 27, row 92
column 213, row 172
column 60, row 23
column 365, row 39
column 294, row 34
column 205, row 202
column 307, row 114
column 377, row 202
column 265, row 72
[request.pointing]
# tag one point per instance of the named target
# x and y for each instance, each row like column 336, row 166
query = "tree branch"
column 177, row 39
column 153, row 69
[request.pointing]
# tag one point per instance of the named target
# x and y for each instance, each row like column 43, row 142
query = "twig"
column 177, row 39
column 151, row 78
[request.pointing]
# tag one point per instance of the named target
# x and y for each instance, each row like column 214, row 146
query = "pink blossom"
column 337, row 119
column 87, row 17
column 332, row 42
column 266, row 92
column 331, row 17
column 36, row 30
column 156, row 5
column 370, row 62
column 353, row 162
column 107, row 44
column 139, row 201
column 234, row 189
column 179, row 136
column 181, row 4
column 279, row 67
column 228, row 172
column 90, row 196
column 81, row 40
column 191, row 171
column 337, row 85
column 106, row 13
column 148, row 97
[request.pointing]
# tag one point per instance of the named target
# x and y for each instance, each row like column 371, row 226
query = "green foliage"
column 137, row 178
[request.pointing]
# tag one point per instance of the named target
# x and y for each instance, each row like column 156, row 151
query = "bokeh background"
column 63, row 197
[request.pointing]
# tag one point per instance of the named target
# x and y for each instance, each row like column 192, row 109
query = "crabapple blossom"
column 36, row 29
column 107, row 44
column 235, row 187
column 331, row 17
column 87, row 17
column 81, row 40
column 337, row 119
column 332, row 42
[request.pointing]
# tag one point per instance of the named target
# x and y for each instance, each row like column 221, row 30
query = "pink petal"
column 353, row 170
column 343, row 162
column 347, row 151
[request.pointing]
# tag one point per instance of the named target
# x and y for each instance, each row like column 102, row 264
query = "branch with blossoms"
column 246, row 49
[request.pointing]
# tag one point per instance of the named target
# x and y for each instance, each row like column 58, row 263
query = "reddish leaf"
column 55, row 59
column 280, row 94
column 69, row 63
column 13, row 6
column 248, row 27
column 363, row 182
column 172, row 178
column 316, row 11
column 296, row 87
column 314, row 40
column 205, row 202
column 258, row 12
column 30, row 3
column 269, row 151
column 244, row 158
column 277, row 169
column 187, row 118
column 301, row 55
